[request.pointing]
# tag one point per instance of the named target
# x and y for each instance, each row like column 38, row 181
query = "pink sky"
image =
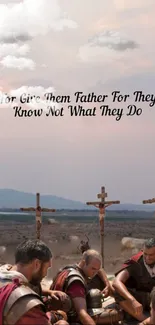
column 96, row 48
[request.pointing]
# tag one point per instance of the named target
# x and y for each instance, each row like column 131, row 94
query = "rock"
column 132, row 243
column 2, row 250
column 74, row 238
column 135, row 251
column 52, row 221
column 116, row 260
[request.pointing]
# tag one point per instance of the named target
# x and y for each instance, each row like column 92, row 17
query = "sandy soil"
column 65, row 249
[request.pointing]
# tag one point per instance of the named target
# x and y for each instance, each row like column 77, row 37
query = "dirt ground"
column 64, row 239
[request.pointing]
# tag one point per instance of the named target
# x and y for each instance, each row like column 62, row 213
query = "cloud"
column 27, row 97
column 21, row 22
column 21, row 63
column 14, row 49
column 112, row 40
column 14, row 38
column 29, row 18
column 106, row 44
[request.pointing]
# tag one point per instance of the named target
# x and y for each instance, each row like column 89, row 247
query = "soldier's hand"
column 56, row 316
column 138, row 308
column 57, row 295
column 63, row 314
column 106, row 291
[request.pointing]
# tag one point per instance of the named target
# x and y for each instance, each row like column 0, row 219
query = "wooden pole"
column 101, row 219
column 38, row 216
column 102, row 205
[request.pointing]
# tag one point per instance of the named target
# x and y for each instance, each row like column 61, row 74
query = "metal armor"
column 73, row 276
column 95, row 309
column 94, row 300
column 21, row 300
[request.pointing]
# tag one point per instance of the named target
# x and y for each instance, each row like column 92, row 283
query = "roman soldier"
column 135, row 280
column 20, row 302
column 74, row 280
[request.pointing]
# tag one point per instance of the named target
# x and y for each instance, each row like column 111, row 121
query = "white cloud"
column 17, row 63
column 20, row 22
column 112, row 40
column 26, row 97
column 14, row 49
column 106, row 45
column 25, row 20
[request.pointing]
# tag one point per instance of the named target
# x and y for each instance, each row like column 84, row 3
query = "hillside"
column 15, row 199
column 12, row 199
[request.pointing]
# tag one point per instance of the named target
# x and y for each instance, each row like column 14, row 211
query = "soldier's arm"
column 77, row 293
column 119, row 285
column 146, row 322
column 103, row 277
column 81, row 309
column 108, row 287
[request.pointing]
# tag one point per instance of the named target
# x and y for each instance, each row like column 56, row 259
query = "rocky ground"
column 64, row 238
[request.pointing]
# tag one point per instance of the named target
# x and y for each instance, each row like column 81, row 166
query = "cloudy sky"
column 64, row 47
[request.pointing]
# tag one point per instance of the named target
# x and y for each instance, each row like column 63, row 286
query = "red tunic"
column 35, row 316
column 76, row 289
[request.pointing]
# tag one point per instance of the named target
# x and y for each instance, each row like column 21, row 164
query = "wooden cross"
column 102, row 205
column 149, row 201
column 38, row 211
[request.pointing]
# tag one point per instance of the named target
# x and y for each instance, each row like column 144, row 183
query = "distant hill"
column 13, row 199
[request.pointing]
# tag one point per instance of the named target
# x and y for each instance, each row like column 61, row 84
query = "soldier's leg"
column 109, row 316
column 127, row 306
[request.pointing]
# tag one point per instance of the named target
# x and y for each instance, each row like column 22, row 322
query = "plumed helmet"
column 94, row 300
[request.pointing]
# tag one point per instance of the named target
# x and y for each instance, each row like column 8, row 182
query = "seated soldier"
column 74, row 280
column 152, row 305
column 151, row 319
column 135, row 281
column 19, row 303
column 100, row 280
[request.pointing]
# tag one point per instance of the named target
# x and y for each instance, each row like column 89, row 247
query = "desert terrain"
column 64, row 238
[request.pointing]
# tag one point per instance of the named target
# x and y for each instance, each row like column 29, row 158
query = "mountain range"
column 13, row 199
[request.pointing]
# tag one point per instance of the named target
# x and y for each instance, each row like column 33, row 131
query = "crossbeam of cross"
column 149, row 201
column 38, row 211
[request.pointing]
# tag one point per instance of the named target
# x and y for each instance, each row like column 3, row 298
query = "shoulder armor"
column 21, row 300
column 74, row 275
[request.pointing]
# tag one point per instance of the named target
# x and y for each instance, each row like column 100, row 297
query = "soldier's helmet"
column 94, row 300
